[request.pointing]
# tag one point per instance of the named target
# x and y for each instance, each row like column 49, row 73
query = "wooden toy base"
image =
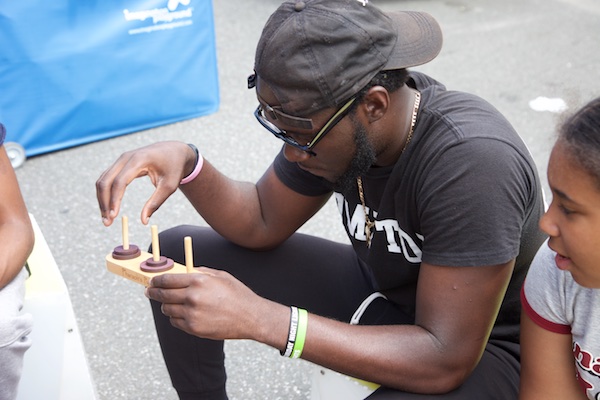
column 130, row 269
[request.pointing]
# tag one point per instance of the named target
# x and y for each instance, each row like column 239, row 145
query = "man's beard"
column 363, row 158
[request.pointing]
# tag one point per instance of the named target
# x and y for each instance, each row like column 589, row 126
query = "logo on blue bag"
column 172, row 4
column 176, row 14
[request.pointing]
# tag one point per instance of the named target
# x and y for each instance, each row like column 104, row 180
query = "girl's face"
column 573, row 219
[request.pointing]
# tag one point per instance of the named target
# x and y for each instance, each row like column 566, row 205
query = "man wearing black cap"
column 438, row 194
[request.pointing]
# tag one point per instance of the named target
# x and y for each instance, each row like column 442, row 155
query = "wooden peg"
column 126, row 251
column 189, row 256
column 125, row 232
column 155, row 245
column 156, row 263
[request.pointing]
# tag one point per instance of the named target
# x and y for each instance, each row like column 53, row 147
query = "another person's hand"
column 16, row 233
column 208, row 303
column 165, row 163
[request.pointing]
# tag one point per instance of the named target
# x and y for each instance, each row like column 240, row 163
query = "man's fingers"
column 110, row 187
column 159, row 196
column 166, row 296
column 161, row 162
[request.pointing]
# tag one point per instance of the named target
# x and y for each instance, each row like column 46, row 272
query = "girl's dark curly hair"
column 580, row 134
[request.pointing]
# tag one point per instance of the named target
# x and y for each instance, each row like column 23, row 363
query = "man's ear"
column 375, row 103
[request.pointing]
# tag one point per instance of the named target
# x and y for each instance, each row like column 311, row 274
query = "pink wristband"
column 197, row 168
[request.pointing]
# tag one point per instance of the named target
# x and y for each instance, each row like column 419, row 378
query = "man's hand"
column 165, row 163
column 209, row 303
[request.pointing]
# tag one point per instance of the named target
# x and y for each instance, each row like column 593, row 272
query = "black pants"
column 324, row 277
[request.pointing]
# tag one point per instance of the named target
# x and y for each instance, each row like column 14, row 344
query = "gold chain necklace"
column 369, row 225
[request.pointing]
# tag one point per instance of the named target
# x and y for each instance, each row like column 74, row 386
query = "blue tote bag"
column 77, row 71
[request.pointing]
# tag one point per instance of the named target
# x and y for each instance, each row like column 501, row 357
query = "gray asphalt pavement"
column 510, row 52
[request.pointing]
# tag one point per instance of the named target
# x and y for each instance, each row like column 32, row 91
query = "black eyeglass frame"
column 283, row 135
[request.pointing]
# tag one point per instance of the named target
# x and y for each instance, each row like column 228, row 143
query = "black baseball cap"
column 316, row 54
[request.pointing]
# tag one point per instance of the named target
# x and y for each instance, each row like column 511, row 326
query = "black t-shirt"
column 465, row 192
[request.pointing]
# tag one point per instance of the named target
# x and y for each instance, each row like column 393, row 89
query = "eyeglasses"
column 259, row 113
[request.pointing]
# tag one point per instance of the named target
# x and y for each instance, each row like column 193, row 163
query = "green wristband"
column 301, row 333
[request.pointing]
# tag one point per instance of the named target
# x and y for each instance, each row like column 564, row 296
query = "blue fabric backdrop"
column 77, row 71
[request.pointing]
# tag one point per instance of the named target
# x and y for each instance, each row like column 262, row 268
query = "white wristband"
column 292, row 332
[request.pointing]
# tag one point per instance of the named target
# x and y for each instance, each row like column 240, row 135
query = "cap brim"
column 419, row 39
